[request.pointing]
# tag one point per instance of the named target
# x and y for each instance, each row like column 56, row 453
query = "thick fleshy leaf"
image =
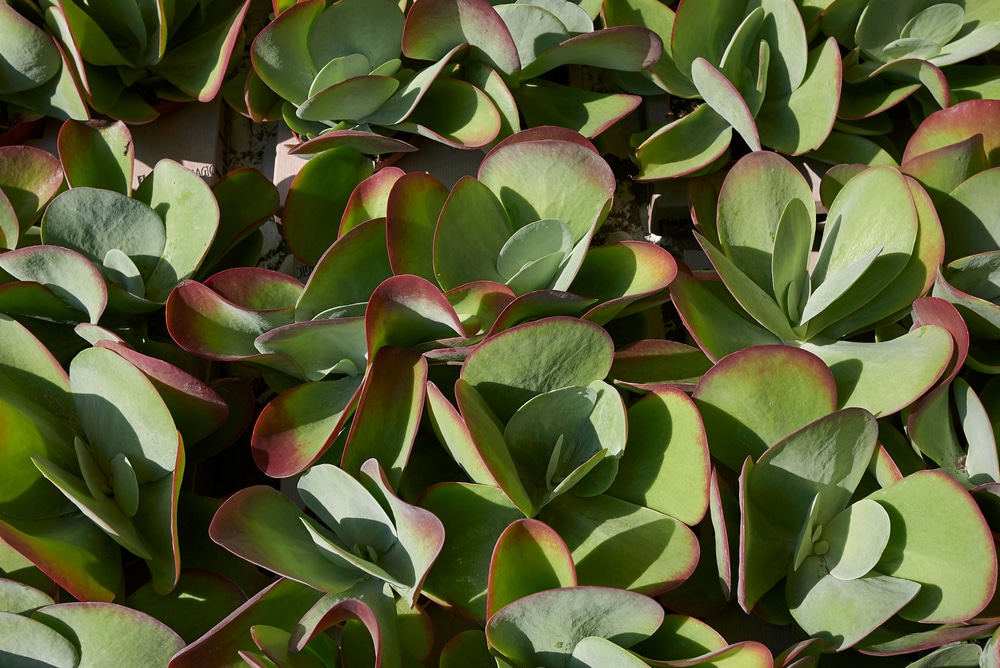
column 669, row 474
column 455, row 437
column 412, row 211
column 535, row 305
column 519, row 363
column 716, row 327
column 594, row 651
column 748, row 653
column 122, row 413
column 916, row 277
column 454, row 113
column 407, row 310
column 752, row 201
column 348, row 272
column 915, row 360
column 474, row 516
column 855, row 539
column 802, row 120
column 388, row 412
column 739, row 399
column 320, row 192
column 623, row 48
column 94, row 221
column 200, row 600
column 203, row 322
column 653, row 361
column 97, row 154
column 421, row 534
column 437, row 27
column 368, row 143
column 757, row 302
column 969, row 227
column 281, row 55
column 823, row 461
column 467, row 245
column 190, row 218
column 20, row 598
column 861, row 604
column 99, row 627
column 298, row 426
column 942, row 170
column 550, row 178
column 684, row 146
column 529, row 557
column 544, row 628
column 588, row 112
column 319, row 347
column 956, row 124
column 369, row 198
column 935, row 521
column 724, row 98
column 620, row 274
column 30, row 178
column 67, row 273
column 652, row 552
column 25, row 642
column 262, row 526
column 350, row 100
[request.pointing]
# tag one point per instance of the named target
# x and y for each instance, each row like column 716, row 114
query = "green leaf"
column 320, row 191
column 705, row 32
column 544, row 628
column 550, row 178
column 298, row 426
column 190, row 218
column 842, row 612
column 590, row 113
column 25, row 643
column 855, row 538
column 981, row 464
column 351, row 100
column 684, row 146
column 595, row 651
column 124, row 484
column 665, row 465
column 793, row 239
column 474, row 516
column 622, row 545
column 122, row 413
column 803, row 119
column 471, row 231
column 519, row 363
column 533, row 242
column 935, row 522
column 455, row 113
column 623, row 48
column 200, row 600
column 30, row 56
column 94, row 221
column 937, row 23
column 347, row 273
column 754, row 398
column 529, row 557
column 914, row 361
column 412, row 211
column 388, row 413
column 826, row 459
column 438, row 26
column 30, row 178
column 66, row 273
column 319, row 347
column 97, row 154
column 282, row 57
column 752, row 201
column 724, row 98
column 715, row 326
column 259, row 525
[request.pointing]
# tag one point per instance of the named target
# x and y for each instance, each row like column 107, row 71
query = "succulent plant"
column 127, row 59
column 750, row 63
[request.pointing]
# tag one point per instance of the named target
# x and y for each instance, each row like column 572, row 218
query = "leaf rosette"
column 878, row 253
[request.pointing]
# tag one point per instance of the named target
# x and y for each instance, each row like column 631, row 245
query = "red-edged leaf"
column 412, row 211
column 529, row 557
column 479, row 304
column 369, row 199
column 388, row 413
column 407, row 310
column 368, row 143
column 298, row 426
column 622, row 273
column 438, row 26
column 97, row 154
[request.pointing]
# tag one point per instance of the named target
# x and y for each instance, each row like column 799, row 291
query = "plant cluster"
column 472, row 443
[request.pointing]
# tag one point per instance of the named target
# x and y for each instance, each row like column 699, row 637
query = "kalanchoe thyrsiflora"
column 880, row 246
column 751, row 64
column 127, row 60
